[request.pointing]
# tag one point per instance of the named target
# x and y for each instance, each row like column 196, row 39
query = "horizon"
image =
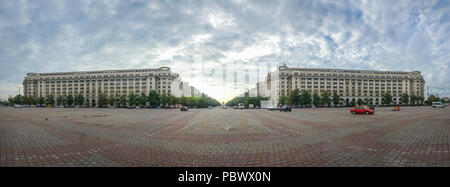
column 199, row 39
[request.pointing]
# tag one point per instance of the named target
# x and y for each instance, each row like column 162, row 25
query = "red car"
column 361, row 110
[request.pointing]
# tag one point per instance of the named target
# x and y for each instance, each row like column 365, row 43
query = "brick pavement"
column 415, row 136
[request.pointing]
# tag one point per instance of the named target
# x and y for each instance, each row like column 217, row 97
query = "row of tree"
column 152, row 99
column 304, row 98
column 256, row 101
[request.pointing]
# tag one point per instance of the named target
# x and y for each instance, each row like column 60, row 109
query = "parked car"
column 210, row 107
column 235, row 107
column 184, row 108
column 361, row 110
column 438, row 104
column 18, row 106
column 271, row 108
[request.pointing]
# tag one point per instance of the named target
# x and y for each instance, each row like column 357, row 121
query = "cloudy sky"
column 198, row 39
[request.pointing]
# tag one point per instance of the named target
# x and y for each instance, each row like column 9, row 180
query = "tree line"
column 304, row 98
column 152, row 99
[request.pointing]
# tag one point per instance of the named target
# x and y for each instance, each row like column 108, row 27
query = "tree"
column 69, row 100
column 153, row 98
column 413, row 99
column 87, row 102
column 284, row 99
column 122, row 100
column 164, row 99
column 326, row 98
column 367, row 101
column 295, row 97
column 431, row 99
column 10, row 100
column 111, row 100
column 18, row 99
column 352, row 103
column 420, row 99
column 360, row 101
column 142, row 99
column 305, row 98
column 336, row 98
column 183, row 100
column 316, row 99
column 102, row 100
column 79, row 100
column 132, row 99
column 51, row 99
column 41, row 100
column 173, row 100
column 60, row 100
column 192, row 101
column 387, row 98
column 405, row 98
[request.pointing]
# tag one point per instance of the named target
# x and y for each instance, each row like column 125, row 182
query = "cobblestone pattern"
column 415, row 136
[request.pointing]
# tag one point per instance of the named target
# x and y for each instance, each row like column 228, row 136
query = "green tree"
column 405, row 98
column 41, row 100
column 431, row 99
column 164, row 99
column 60, row 100
column 283, row 99
column 360, row 101
column 51, row 99
column 80, row 99
column 18, row 99
column 32, row 100
column 336, row 98
column 122, row 100
column 111, row 100
column 420, row 99
column 87, row 102
column 295, row 97
column 183, row 100
column 153, row 98
column 173, row 100
column 102, row 102
column 192, row 101
column 305, row 98
column 69, row 100
column 142, row 99
column 352, row 103
column 132, row 99
column 387, row 98
column 316, row 99
column 326, row 98
column 367, row 101
column 413, row 99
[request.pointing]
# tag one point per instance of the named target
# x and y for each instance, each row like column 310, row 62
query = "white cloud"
column 83, row 35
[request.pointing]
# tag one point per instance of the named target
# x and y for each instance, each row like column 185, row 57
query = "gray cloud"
column 82, row 35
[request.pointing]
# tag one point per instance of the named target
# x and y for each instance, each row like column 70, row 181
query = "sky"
column 198, row 39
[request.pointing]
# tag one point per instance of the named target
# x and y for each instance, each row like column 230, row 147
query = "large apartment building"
column 351, row 85
column 91, row 83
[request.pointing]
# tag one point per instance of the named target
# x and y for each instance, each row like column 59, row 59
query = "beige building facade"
column 351, row 85
column 91, row 83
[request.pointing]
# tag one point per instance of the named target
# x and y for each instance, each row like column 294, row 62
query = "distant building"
column 351, row 85
column 91, row 83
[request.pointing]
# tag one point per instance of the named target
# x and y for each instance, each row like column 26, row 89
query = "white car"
column 18, row 106
column 438, row 104
column 271, row 108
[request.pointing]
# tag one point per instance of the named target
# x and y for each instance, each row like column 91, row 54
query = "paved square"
column 414, row 136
